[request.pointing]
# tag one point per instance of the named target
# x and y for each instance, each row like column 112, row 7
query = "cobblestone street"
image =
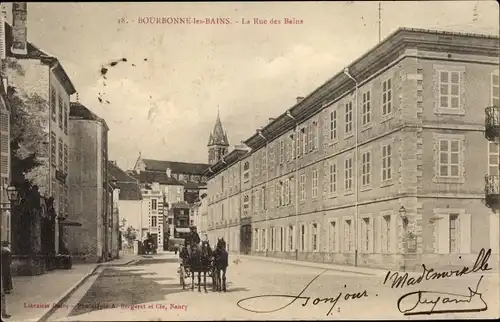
column 150, row 290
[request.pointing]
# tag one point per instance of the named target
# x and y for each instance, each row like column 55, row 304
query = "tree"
column 29, row 135
column 130, row 234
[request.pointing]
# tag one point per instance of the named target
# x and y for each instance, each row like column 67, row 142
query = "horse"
column 200, row 263
column 221, row 262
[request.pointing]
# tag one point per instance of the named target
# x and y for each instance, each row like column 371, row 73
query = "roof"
column 180, row 204
column 77, row 111
column 175, row 167
column 34, row 52
column 218, row 136
column 154, row 176
column 194, row 185
column 129, row 186
column 368, row 64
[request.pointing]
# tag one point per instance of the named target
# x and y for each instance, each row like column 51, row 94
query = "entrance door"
column 246, row 239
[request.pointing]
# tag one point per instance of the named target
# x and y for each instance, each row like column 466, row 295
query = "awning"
column 183, row 230
column 70, row 223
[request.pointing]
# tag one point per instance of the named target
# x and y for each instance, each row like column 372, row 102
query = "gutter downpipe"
column 356, row 167
column 265, row 190
column 296, row 190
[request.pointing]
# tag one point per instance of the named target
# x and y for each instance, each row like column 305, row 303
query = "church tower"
column 218, row 145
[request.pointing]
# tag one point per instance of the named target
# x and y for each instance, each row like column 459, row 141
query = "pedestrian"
column 4, row 304
column 6, row 272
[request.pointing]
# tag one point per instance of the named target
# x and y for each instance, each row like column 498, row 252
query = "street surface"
column 149, row 290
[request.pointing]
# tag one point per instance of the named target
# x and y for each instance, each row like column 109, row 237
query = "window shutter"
column 443, row 232
column 494, row 232
column 337, row 236
column 326, row 128
column 371, row 236
column 465, row 233
column 318, row 239
column 394, row 235
column 378, row 234
column 326, row 178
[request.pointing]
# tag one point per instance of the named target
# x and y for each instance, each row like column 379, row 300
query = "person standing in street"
column 6, row 273
column 4, row 301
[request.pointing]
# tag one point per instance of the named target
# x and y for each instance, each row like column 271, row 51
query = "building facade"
column 89, row 188
column 379, row 166
column 38, row 78
column 4, row 163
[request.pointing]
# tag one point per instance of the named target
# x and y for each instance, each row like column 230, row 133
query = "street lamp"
column 402, row 214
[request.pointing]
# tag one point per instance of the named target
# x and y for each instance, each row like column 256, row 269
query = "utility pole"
column 379, row 21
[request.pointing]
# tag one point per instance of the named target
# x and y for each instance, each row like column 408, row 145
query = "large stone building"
column 89, row 185
column 40, row 79
column 383, row 165
column 4, row 163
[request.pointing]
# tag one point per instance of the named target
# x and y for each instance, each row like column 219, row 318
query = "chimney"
column 169, row 172
column 3, row 19
column 270, row 120
column 299, row 98
column 19, row 28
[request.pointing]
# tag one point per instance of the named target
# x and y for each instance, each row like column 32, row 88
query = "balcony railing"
column 492, row 122
column 492, row 190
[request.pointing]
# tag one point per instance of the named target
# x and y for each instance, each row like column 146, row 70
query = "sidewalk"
column 35, row 297
column 333, row 267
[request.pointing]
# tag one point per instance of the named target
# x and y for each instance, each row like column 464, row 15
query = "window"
column 333, row 235
column 454, row 248
column 366, row 111
column 386, row 97
column 305, row 140
column 366, row 235
column 53, row 103
column 53, row 149
column 315, row 183
column 282, row 152
column 348, row 174
column 449, row 89
column 333, row 178
column 282, row 241
column 493, row 158
column 66, row 200
column 315, row 232
column 386, row 163
column 347, row 235
column 65, row 118
column 302, row 187
column 65, row 158
column 246, row 172
column 61, row 155
column 61, row 113
column 292, row 146
column 302, row 238
column 290, row 237
column 154, row 222
column 311, row 136
column 449, row 154
column 495, row 95
column 333, row 125
column 452, row 231
column 286, row 192
column 153, row 204
column 385, row 230
column 222, row 212
column 264, row 245
column 263, row 197
column 299, row 142
column 348, row 118
column 366, row 168
column 61, row 199
column 273, row 236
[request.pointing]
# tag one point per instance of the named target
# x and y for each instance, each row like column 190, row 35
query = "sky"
column 163, row 101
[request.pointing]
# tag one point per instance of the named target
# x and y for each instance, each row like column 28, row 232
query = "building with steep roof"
column 218, row 144
column 383, row 165
column 90, row 192
column 40, row 76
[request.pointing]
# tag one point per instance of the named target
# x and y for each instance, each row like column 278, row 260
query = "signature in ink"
column 481, row 264
column 427, row 302
column 316, row 301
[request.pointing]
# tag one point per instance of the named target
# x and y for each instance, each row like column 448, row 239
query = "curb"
column 73, row 288
column 339, row 268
